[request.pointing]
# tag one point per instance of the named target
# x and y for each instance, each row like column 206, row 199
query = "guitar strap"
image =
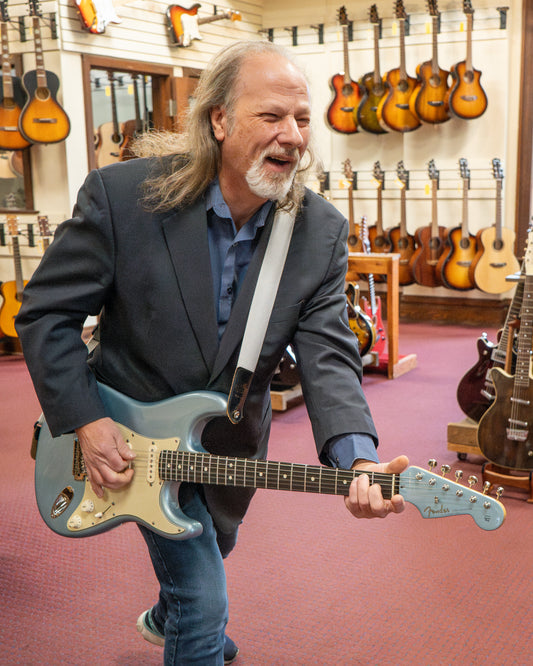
column 260, row 311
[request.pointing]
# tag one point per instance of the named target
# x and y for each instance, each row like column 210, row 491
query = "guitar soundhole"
column 379, row 241
column 352, row 240
column 42, row 94
column 403, row 86
column 468, row 77
column 498, row 244
column 8, row 103
column 435, row 80
column 347, row 90
column 464, row 243
column 434, row 243
column 403, row 243
column 378, row 90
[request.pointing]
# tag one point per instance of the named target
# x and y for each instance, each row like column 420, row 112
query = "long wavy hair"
column 194, row 155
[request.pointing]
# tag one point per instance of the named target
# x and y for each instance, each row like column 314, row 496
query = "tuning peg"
column 445, row 469
column 432, row 463
column 499, row 492
column 472, row 480
column 458, row 475
column 486, row 487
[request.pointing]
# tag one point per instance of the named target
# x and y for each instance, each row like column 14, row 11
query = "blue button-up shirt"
column 231, row 252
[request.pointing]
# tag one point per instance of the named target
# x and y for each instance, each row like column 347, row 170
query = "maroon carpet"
column 308, row 584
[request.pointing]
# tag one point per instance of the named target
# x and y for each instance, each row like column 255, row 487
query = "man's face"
column 267, row 132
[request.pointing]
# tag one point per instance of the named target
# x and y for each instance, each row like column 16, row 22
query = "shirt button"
column 229, row 290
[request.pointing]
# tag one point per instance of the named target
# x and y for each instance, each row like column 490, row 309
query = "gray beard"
column 269, row 186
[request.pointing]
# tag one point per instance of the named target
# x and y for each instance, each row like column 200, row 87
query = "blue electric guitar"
column 166, row 438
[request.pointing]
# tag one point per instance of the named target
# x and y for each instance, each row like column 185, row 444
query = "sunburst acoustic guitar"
column 466, row 98
column 428, row 101
column 393, row 111
column 454, row 263
column 12, row 289
column 341, row 115
column 372, row 85
column 379, row 238
column 355, row 243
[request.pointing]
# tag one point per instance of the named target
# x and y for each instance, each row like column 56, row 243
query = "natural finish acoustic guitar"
column 12, row 289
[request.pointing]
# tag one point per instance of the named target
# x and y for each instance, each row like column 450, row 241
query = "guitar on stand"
column 372, row 306
column 12, row 289
column 495, row 260
column 111, row 139
column 430, row 241
column 43, row 119
column 403, row 242
column 355, row 243
column 454, row 264
column 428, row 101
column 341, row 115
column 12, row 97
column 379, row 239
column 372, row 85
column 504, row 434
column 183, row 22
column 476, row 392
column 393, row 111
column 360, row 322
column 466, row 98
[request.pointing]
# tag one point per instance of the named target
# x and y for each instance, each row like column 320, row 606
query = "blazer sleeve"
column 69, row 284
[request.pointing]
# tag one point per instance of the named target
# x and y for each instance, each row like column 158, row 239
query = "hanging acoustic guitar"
column 12, row 289
column 43, row 119
column 341, row 115
column 378, row 237
column 402, row 241
column 372, row 85
column 12, row 94
column 110, row 136
column 355, row 244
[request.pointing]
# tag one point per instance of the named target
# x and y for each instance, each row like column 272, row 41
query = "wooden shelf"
column 385, row 264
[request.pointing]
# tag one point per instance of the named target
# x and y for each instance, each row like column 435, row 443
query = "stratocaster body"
column 166, row 437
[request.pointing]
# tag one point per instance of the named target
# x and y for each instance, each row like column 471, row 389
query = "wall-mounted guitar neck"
column 43, row 119
column 454, row 264
column 466, row 98
column 495, row 261
column 430, row 240
column 372, row 85
column 428, row 101
column 378, row 237
column 355, row 243
column 342, row 112
column 403, row 242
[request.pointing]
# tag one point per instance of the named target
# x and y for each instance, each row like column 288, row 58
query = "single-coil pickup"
column 151, row 470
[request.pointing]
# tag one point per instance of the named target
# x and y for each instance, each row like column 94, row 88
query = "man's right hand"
column 107, row 456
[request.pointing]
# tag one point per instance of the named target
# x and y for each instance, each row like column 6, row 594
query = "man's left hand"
column 365, row 500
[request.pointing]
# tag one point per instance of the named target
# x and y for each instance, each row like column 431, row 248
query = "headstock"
column 4, row 17
column 497, row 170
column 436, row 496
column 35, row 9
column 374, row 17
column 364, row 235
column 464, row 170
column 348, row 171
column 44, row 228
column 378, row 174
column 400, row 10
column 467, row 7
column 343, row 16
column 528, row 257
column 403, row 174
column 433, row 172
column 433, row 8
column 12, row 225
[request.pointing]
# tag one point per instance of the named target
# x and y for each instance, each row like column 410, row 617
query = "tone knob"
column 74, row 522
column 87, row 506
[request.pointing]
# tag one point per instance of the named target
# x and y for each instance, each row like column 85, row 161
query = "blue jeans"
column 192, row 610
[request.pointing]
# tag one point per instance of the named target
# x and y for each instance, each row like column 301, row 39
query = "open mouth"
column 280, row 161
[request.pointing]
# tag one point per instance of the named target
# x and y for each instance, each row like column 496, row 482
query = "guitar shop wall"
column 136, row 54
column 461, row 169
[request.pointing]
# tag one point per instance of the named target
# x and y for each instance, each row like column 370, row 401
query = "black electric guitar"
column 504, row 434
column 341, row 115
column 166, row 436
column 43, row 119
column 372, row 85
column 12, row 95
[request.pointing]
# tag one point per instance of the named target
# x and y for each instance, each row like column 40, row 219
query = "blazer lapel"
column 236, row 325
column 186, row 236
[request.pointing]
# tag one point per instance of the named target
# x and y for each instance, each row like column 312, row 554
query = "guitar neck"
column 525, row 337
column 377, row 76
column 499, row 353
column 434, row 209
column 39, row 57
column 468, row 60
column 347, row 78
column 379, row 202
column 403, row 215
column 244, row 473
column 498, row 223
column 215, row 17
column 7, row 83
column 403, row 71
column 464, row 223
column 19, row 281
column 434, row 59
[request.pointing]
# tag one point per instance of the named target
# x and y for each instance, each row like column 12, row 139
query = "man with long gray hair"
column 167, row 249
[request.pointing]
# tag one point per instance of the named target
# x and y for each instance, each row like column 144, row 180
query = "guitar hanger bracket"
column 503, row 17
column 31, row 235
column 294, row 32
column 320, row 32
column 22, row 29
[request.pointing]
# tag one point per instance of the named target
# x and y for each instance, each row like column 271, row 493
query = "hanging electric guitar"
column 355, row 243
column 379, row 239
column 111, row 139
column 504, row 434
column 360, row 322
column 43, row 119
column 131, row 129
column 430, row 241
column 12, row 289
column 466, row 98
column 476, row 392
column 428, row 101
column 393, row 110
column 454, row 263
column 403, row 242
column 495, row 259
column 342, row 112
column 183, row 22
column 166, row 436
column 372, row 306
column 95, row 16
column 372, row 85
column 12, row 94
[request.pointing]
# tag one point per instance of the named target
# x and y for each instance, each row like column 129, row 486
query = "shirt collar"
column 215, row 201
